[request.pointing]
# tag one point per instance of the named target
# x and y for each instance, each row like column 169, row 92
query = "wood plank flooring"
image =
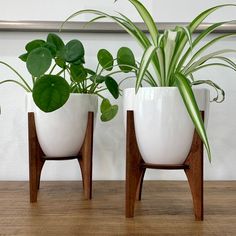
column 166, row 209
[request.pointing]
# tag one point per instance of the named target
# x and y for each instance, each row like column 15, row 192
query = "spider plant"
column 175, row 56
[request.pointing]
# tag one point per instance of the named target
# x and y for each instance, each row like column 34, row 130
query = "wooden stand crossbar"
column 136, row 167
column 37, row 158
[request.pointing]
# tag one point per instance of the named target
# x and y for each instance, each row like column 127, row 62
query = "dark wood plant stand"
column 136, row 167
column 37, row 158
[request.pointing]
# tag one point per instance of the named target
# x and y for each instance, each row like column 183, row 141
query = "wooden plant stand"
column 136, row 167
column 37, row 158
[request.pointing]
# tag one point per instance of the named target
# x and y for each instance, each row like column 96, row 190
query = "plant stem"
column 21, row 77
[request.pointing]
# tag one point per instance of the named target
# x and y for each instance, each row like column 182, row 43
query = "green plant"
column 175, row 57
column 58, row 69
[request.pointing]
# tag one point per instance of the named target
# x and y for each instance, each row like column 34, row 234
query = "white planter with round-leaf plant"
column 167, row 112
column 64, row 90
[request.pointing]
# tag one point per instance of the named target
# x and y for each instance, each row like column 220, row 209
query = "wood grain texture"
column 135, row 170
column 37, row 158
column 62, row 210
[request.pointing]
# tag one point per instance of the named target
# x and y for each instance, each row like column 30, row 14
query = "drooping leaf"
column 51, row 92
column 38, row 61
column 73, row 51
column 105, row 105
column 192, row 108
column 112, row 86
column 108, row 111
column 105, row 59
column 220, row 93
column 125, row 59
column 34, row 44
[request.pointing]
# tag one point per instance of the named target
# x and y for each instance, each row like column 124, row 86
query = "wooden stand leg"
column 35, row 160
column 195, row 175
column 85, row 159
column 134, row 171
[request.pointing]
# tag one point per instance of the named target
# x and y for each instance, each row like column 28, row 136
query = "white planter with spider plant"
column 63, row 91
column 162, row 115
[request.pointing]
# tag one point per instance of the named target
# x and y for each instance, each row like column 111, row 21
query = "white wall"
column 109, row 139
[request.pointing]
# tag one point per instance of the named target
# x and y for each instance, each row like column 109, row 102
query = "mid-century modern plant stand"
column 136, row 167
column 37, row 158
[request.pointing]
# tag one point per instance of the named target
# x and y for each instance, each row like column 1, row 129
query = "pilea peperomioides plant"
column 58, row 69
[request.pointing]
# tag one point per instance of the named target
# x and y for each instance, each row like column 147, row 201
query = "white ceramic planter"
column 164, row 130
column 61, row 133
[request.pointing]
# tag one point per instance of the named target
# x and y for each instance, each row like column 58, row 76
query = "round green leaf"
column 78, row 73
column 51, row 92
column 125, row 57
column 73, row 51
column 112, row 86
column 34, row 44
column 105, row 105
column 105, row 59
column 38, row 61
column 51, row 48
column 55, row 40
column 109, row 113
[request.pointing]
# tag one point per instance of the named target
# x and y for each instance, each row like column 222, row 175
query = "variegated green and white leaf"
column 192, row 108
column 146, row 59
column 217, row 88
column 148, row 20
column 205, row 58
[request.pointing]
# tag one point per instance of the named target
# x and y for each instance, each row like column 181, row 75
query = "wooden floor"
column 166, row 209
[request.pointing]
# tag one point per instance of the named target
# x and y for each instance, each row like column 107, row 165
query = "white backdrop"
column 109, row 138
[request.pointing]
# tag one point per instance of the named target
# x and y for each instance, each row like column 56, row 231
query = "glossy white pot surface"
column 164, row 130
column 61, row 133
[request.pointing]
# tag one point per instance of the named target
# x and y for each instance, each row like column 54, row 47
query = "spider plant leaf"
column 192, row 27
column 199, row 38
column 188, row 34
column 201, row 17
column 227, row 60
column 217, row 88
column 192, row 108
column 169, row 49
column 148, row 20
column 139, row 32
column 209, row 44
column 145, row 61
column 128, row 26
column 211, row 64
column 205, row 58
